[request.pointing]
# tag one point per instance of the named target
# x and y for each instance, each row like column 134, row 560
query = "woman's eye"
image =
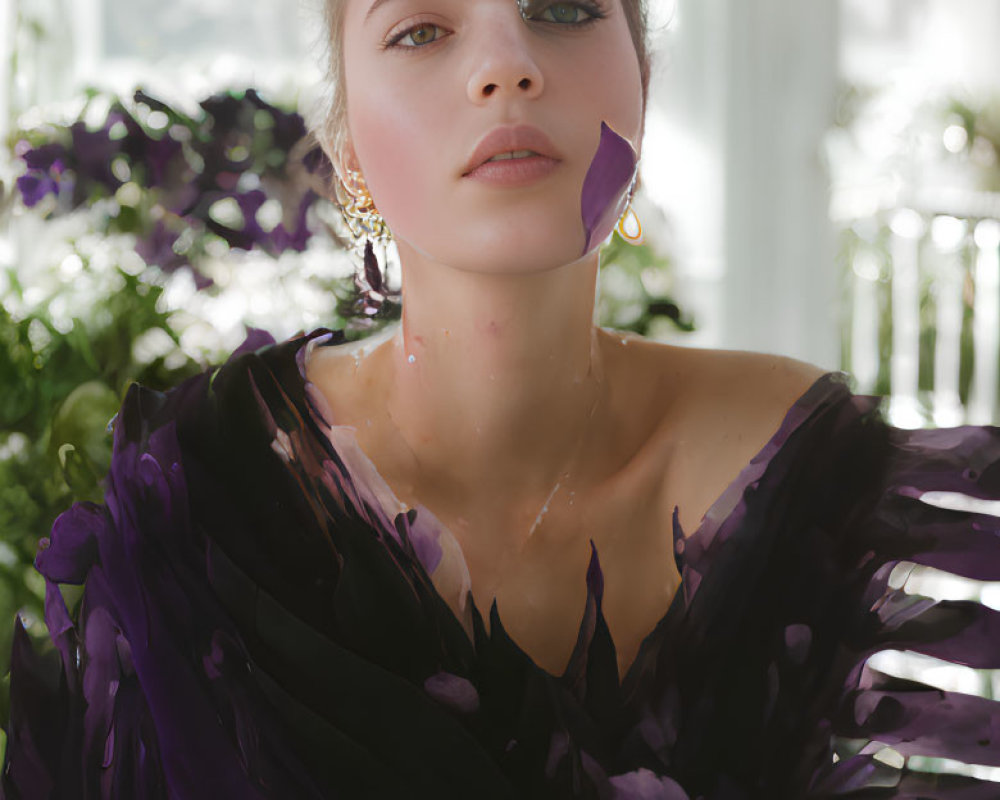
column 419, row 35
column 564, row 13
column 572, row 14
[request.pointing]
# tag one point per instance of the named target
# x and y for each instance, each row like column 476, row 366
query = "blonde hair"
column 332, row 128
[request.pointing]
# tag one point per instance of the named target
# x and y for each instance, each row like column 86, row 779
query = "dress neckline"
column 370, row 485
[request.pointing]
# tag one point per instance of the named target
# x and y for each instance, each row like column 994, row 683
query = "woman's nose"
column 505, row 65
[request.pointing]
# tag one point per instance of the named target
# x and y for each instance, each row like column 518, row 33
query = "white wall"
column 746, row 93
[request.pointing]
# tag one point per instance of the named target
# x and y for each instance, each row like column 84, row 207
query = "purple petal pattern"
column 834, row 588
column 240, row 148
column 259, row 621
column 454, row 691
column 606, row 187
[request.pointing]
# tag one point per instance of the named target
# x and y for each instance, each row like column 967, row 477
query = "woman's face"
column 426, row 80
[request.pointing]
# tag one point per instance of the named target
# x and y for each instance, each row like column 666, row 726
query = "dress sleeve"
column 243, row 632
column 759, row 684
column 875, row 709
column 146, row 693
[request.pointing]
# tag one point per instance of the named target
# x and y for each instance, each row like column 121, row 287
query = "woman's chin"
column 520, row 252
column 521, row 262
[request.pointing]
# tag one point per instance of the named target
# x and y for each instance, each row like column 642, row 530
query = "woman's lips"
column 514, row 171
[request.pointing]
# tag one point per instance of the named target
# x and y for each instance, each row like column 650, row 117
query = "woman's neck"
column 495, row 379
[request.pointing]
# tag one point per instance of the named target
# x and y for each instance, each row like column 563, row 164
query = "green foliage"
column 981, row 121
column 61, row 389
column 633, row 295
column 875, row 247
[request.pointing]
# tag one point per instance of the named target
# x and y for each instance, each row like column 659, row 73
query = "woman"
column 499, row 552
column 513, row 401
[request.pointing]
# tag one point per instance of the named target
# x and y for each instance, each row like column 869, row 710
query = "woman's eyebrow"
column 375, row 7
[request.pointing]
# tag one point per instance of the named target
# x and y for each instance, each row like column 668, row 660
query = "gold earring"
column 358, row 210
column 629, row 227
column 367, row 228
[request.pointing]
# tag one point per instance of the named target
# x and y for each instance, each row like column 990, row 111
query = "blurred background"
column 820, row 180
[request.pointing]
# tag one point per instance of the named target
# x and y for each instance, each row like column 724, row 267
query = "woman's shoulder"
column 752, row 391
column 746, row 390
column 716, row 411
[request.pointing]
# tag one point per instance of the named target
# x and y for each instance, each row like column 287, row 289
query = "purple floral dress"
column 256, row 624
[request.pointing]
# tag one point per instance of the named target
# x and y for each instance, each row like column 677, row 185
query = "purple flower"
column 250, row 234
column 289, row 128
column 158, row 156
column 297, row 238
column 157, row 248
column 45, row 157
column 316, row 161
column 34, row 186
column 93, row 152
column 46, row 165
column 242, row 147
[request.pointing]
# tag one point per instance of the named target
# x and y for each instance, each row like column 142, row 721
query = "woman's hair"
column 333, row 121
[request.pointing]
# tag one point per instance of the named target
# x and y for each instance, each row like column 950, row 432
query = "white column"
column 904, row 409
column 8, row 15
column 88, row 40
column 865, row 274
column 984, row 407
column 948, row 237
column 683, row 154
column 781, row 285
column 744, row 93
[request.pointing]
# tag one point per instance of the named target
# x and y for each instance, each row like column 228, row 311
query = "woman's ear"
column 345, row 159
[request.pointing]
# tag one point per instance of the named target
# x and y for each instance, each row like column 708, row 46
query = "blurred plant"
column 60, row 391
column 241, row 174
column 971, row 130
column 634, row 286
column 935, row 155
column 937, row 139
column 184, row 193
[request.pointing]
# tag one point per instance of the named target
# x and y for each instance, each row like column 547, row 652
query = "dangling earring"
column 358, row 208
column 629, row 227
column 367, row 228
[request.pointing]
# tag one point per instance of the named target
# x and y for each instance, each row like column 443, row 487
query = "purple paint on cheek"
column 605, row 189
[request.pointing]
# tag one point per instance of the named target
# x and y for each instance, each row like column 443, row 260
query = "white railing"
column 922, row 310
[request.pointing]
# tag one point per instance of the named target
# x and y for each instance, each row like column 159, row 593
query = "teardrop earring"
column 629, row 227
